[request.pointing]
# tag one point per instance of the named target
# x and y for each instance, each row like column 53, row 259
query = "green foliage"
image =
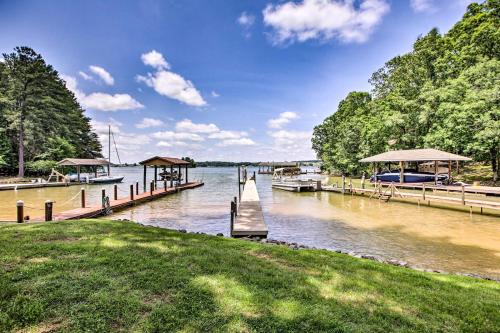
column 444, row 94
column 40, row 167
column 38, row 113
column 190, row 160
column 115, row 276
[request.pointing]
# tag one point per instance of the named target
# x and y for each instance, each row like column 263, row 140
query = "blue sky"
column 218, row 80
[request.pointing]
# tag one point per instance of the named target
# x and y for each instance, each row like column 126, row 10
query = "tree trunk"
column 21, row 150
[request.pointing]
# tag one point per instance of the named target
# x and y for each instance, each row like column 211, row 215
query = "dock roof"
column 278, row 164
column 159, row 160
column 415, row 155
column 83, row 162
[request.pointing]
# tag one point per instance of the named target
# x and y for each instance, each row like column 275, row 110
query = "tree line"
column 41, row 121
column 444, row 94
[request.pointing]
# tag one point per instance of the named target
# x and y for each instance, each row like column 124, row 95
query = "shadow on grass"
column 102, row 276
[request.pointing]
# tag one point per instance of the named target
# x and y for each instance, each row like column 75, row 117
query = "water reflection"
column 423, row 236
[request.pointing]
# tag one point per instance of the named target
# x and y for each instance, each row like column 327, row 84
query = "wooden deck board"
column 250, row 220
column 121, row 203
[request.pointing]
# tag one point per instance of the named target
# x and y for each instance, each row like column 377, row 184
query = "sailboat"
column 108, row 179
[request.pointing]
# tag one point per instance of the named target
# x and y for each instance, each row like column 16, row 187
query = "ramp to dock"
column 249, row 221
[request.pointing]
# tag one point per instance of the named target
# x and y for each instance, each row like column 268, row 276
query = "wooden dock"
column 388, row 191
column 121, row 203
column 21, row 186
column 249, row 220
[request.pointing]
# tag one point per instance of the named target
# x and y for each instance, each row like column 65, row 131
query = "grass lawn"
column 100, row 276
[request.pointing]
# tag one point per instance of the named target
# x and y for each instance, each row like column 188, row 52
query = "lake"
column 423, row 236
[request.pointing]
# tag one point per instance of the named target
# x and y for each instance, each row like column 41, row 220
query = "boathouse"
column 416, row 155
column 268, row 167
column 93, row 163
column 172, row 163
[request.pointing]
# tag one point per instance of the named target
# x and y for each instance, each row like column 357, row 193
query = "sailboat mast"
column 109, row 149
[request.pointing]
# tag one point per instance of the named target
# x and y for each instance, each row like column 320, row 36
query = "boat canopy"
column 83, row 162
column 412, row 155
column 162, row 161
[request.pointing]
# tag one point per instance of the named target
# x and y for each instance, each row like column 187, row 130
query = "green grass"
column 100, row 276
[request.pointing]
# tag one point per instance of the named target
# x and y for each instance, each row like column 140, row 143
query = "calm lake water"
column 426, row 237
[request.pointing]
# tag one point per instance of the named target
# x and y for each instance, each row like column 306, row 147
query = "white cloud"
column 214, row 94
column 85, row 76
column 422, row 6
column 149, row 122
column 103, row 74
column 246, row 19
column 107, row 102
column 187, row 125
column 283, row 119
column 155, row 59
column 176, row 136
column 101, row 101
column 168, row 83
column 236, row 142
column 283, row 137
column 324, row 19
column 225, row 135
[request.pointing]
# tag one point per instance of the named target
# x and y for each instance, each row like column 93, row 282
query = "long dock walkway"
column 116, row 205
column 249, row 220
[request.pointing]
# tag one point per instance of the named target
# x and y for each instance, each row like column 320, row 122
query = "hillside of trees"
column 41, row 121
column 444, row 94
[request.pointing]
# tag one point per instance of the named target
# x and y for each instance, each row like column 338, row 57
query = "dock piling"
column 463, row 195
column 48, row 210
column 132, row 191
column 151, row 187
column 165, row 185
column 20, row 211
column 231, row 226
column 82, row 195
column 103, row 196
column 136, row 188
column 115, row 190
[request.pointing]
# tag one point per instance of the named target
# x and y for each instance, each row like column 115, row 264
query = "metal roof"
column 415, row 155
column 278, row 164
column 164, row 161
column 83, row 162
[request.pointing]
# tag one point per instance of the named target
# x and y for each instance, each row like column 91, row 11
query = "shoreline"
column 297, row 246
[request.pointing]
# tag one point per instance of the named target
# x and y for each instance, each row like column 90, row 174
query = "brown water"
column 426, row 237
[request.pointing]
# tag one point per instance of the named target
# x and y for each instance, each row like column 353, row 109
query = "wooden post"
column 343, row 184
column 449, row 172
column 239, row 182
column 363, row 180
column 463, row 195
column 179, row 180
column 20, row 211
column 423, row 191
column 254, row 178
column 82, row 195
column 144, row 177
column 171, row 175
column 165, row 185
column 350, row 185
column 151, row 187
column 103, row 195
column 231, row 226
column 156, row 172
column 186, row 174
column 435, row 172
column 235, row 206
column 136, row 188
column 401, row 172
column 392, row 189
column 115, row 192
column 132, row 192
column 77, row 172
column 48, row 210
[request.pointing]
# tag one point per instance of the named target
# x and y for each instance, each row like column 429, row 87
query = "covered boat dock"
column 268, row 167
column 415, row 155
column 164, row 163
column 85, row 162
